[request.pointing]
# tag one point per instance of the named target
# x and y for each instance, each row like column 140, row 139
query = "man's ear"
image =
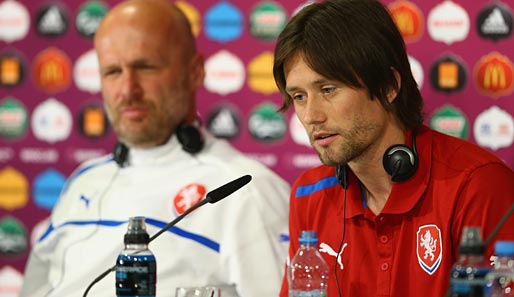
column 197, row 71
column 393, row 92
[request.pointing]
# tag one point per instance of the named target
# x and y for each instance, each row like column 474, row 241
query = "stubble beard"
column 346, row 149
column 152, row 130
column 340, row 154
column 146, row 132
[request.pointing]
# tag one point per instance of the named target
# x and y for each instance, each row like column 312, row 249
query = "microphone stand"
column 211, row 197
column 499, row 225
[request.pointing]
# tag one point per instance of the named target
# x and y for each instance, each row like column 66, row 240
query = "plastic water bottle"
column 308, row 272
column 467, row 277
column 136, row 266
column 500, row 280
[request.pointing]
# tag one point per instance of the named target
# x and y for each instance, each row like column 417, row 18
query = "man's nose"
column 130, row 85
column 313, row 112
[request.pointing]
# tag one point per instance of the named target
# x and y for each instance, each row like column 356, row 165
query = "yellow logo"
column 94, row 122
column 494, row 75
column 408, row 19
column 13, row 189
column 260, row 74
column 10, row 70
column 52, row 70
column 192, row 15
column 448, row 75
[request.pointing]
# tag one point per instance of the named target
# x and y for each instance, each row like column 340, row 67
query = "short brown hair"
column 357, row 43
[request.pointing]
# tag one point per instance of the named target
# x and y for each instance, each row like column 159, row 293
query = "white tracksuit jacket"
column 240, row 240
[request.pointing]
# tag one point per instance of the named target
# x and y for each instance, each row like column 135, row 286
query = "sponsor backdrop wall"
column 51, row 115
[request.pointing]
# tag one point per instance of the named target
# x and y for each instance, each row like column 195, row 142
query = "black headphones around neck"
column 399, row 161
column 189, row 136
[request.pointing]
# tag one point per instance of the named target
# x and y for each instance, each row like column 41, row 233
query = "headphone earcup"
column 120, row 154
column 341, row 175
column 190, row 138
column 400, row 162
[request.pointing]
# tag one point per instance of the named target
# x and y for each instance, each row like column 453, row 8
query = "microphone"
column 211, row 197
column 227, row 189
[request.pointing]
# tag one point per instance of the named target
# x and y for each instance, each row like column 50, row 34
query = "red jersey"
column 409, row 248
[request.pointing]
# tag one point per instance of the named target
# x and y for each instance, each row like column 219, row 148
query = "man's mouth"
column 131, row 112
column 323, row 139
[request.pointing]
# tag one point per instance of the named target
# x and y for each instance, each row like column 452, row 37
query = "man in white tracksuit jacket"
column 150, row 72
column 234, row 241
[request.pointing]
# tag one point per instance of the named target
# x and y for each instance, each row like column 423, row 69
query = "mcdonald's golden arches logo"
column 494, row 75
column 408, row 19
column 52, row 70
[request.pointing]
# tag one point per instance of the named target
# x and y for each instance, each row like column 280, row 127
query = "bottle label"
column 313, row 293
column 136, row 275
column 468, row 282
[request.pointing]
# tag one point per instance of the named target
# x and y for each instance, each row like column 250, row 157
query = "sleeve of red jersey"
column 484, row 200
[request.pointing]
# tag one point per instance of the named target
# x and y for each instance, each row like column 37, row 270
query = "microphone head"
column 227, row 189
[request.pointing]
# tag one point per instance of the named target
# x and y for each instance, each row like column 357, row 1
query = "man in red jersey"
column 390, row 222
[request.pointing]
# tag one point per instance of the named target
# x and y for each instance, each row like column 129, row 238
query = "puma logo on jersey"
column 85, row 199
column 325, row 248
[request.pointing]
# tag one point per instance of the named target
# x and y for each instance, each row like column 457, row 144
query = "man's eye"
column 298, row 97
column 111, row 72
column 146, row 67
column 328, row 90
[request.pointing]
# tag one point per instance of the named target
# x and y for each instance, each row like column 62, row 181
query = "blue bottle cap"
column 308, row 236
column 504, row 248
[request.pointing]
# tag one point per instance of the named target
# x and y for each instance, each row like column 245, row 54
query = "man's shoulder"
column 95, row 165
column 104, row 161
column 461, row 152
column 315, row 175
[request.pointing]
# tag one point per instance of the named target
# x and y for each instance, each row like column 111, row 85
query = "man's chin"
column 328, row 162
column 329, row 158
column 140, row 143
column 326, row 159
column 136, row 139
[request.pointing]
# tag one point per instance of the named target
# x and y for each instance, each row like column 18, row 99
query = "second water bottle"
column 308, row 271
column 500, row 280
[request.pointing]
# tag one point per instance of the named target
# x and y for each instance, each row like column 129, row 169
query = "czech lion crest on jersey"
column 429, row 248
column 188, row 196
